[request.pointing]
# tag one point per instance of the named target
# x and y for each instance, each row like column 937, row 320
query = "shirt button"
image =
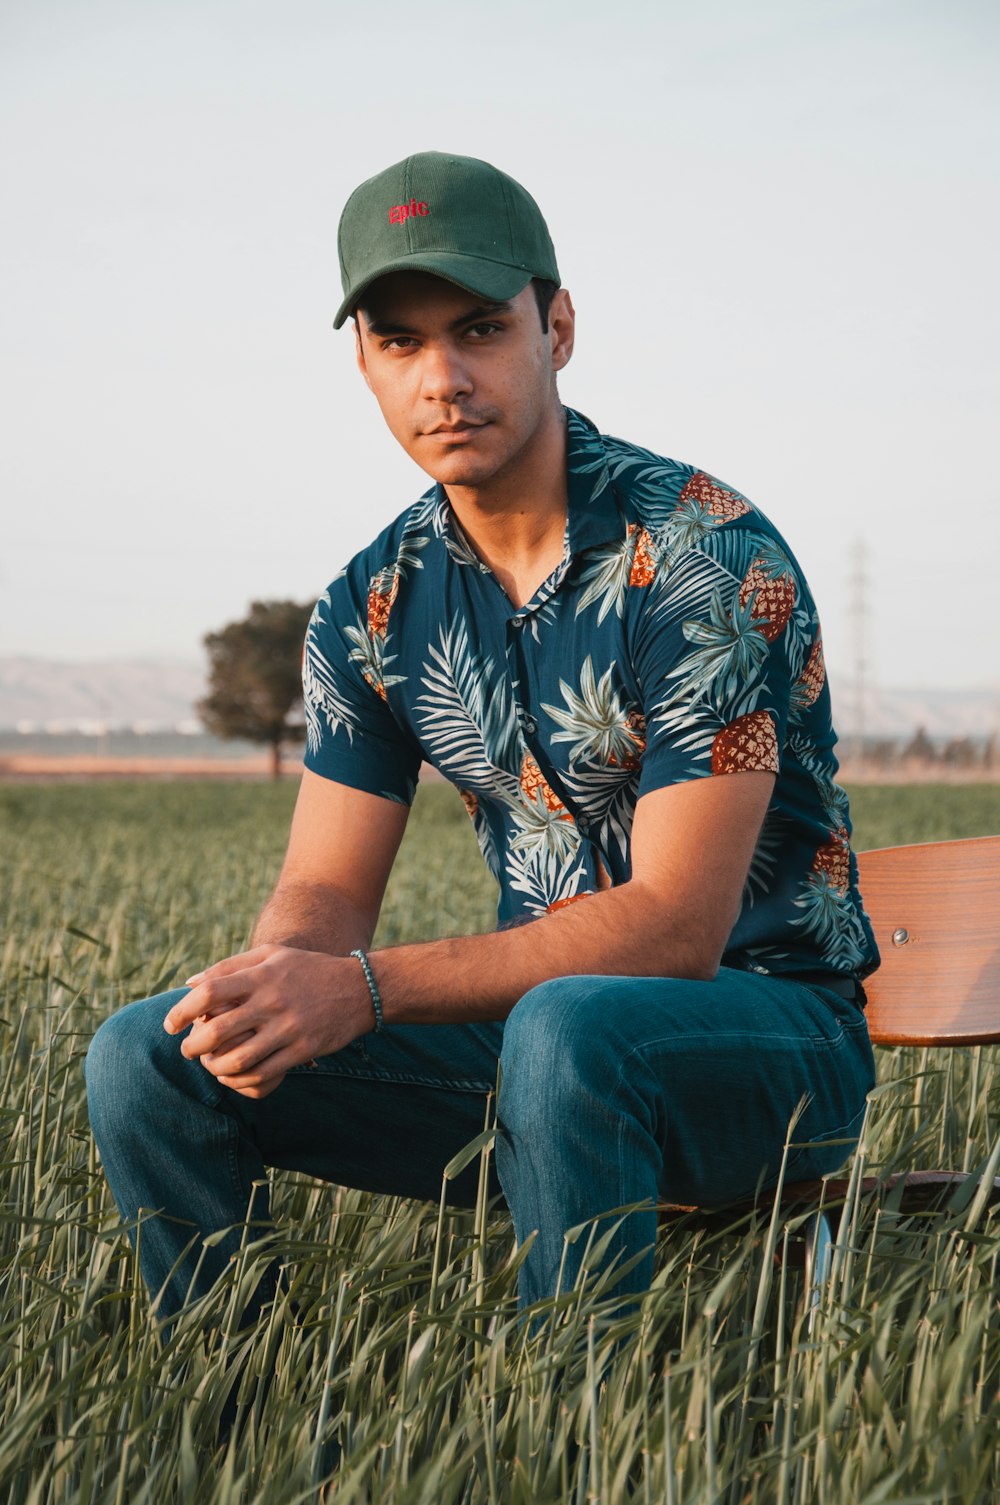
column 529, row 725
column 517, row 621
column 583, row 824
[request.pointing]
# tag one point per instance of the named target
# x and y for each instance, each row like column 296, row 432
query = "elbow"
column 704, row 966
column 708, row 935
column 688, row 943
column 696, row 960
column 687, row 965
column 707, row 950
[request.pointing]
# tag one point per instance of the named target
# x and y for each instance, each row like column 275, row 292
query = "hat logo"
column 400, row 212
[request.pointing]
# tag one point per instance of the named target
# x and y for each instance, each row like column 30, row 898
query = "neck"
column 517, row 521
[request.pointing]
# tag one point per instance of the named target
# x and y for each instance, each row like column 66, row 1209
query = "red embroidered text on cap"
column 400, row 212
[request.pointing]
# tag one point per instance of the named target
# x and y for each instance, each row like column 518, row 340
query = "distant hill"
column 162, row 694
column 943, row 714
column 43, row 692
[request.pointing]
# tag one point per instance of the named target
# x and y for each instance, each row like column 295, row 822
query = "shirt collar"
column 592, row 513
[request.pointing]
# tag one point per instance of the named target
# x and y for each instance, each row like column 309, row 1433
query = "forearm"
column 627, row 930
column 298, row 995
column 313, row 917
column 259, row 1014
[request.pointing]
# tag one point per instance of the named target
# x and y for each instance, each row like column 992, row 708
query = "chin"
column 457, row 470
column 461, row 477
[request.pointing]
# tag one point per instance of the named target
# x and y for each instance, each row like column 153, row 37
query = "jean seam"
column 401, row 1078
column 233, row 1158
column 842, row 1131
column 215, row 1099
column 816, row 1041
column 713, row 1035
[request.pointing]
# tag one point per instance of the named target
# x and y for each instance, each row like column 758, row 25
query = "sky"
column 779, row 223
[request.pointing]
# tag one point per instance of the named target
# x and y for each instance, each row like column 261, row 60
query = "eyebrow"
column 390, row 326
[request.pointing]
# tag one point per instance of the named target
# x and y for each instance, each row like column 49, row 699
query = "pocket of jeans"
column 355, row 1054
column 824, row 1153
column 850, row 1030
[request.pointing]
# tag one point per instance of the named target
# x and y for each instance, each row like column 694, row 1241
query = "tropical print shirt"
column 675, row 640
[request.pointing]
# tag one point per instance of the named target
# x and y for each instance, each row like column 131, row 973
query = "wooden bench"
column 935, row 910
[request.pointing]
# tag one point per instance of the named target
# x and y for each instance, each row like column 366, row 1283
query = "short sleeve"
column 352, row 735
column 718, row 652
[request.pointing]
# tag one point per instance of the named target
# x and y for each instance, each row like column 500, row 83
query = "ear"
column 562, row 325
column 359, row 353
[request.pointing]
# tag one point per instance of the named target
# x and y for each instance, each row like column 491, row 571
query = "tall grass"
column 399, row 1368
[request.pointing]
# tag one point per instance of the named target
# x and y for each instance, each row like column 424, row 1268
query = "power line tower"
column 861, row 645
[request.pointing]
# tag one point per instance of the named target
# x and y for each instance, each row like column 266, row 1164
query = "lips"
column 458, row 433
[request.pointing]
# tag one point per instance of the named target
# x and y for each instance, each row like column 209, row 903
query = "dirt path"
column 42, row 768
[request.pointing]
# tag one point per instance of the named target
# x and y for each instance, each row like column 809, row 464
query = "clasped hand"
column 256, row 1015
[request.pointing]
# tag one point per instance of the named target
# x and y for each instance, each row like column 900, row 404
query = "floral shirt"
column 675, row 640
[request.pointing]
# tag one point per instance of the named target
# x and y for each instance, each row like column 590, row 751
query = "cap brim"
column 487, row 279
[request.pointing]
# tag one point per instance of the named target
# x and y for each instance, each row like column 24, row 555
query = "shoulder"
column 679, row 509
column 673, row 498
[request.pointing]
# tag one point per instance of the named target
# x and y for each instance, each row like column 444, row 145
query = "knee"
column 557, row 1048
column 130, row 1053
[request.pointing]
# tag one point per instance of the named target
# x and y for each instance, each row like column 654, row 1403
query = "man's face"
column 465, row 385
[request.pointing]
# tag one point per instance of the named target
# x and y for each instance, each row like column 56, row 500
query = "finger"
column 224, row 1008
column 202, row 1043
column 243, row 1054
column 228, row 964
column 263, row 1089
column 250, row 1065
column 208, row 999
column 196, row 1043
column 268, row 1073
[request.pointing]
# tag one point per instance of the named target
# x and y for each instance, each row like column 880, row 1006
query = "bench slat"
column 941, row 985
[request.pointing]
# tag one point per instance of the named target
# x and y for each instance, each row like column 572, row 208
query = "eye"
column 483, row 331
column 398, row 342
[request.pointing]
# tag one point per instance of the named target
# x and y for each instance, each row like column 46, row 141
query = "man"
column 617, row 661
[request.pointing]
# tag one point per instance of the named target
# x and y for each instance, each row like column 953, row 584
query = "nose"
column 444, row 374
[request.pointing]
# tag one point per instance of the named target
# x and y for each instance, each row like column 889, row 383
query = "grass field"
column 403, row 1350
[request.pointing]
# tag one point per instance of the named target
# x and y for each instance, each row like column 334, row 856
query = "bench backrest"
column 935, row 909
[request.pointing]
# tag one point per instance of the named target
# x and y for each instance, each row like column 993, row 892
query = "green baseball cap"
column 455, row 217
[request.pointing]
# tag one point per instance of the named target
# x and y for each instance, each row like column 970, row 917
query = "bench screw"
column 900, row 937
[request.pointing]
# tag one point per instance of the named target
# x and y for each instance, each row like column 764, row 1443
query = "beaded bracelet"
column 366, row 967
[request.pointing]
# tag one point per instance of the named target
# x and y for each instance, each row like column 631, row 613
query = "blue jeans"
column 616, row 1091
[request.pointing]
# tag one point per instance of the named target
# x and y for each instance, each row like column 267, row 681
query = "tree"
column 960, row 752
column 920, row 748
column 255, row 680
